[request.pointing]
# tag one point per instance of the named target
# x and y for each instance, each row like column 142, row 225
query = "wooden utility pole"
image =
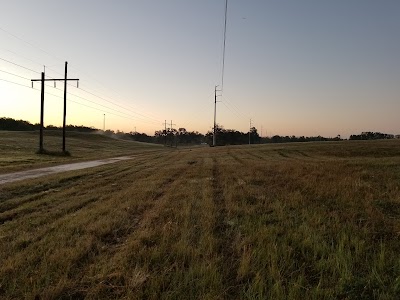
column 65, row 105
column 165, row 133
column 41, row 115
column 42, row 104
column 249, row 132
column 215, row 117
column 172, row 140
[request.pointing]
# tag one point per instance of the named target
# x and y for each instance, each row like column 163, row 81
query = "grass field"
column 290, row 221
column 18, row 149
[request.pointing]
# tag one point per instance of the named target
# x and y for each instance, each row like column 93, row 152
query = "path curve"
column 17, row 176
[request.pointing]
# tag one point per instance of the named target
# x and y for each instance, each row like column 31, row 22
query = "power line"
column 15, row 53
column 14, row 74
column 116, row 93
column 57, row 96
column 107, row 107
column 69, row 100
column 234, row 107
column 83, row 98
column 117, row 104
column 223, row 51
column 197, row 114
column 15, row 83
column 111, row 102
column 30, row 44
column 234, row 112
column 19, row 65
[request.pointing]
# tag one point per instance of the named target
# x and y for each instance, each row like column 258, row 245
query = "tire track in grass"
column 104, row 244
column 224, row 236
column 235, row 157
column 113, row 286
column 252, row 154
column 42, row 190
column 47, row 208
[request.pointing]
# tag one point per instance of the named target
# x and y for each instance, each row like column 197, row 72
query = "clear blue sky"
column 293, row 67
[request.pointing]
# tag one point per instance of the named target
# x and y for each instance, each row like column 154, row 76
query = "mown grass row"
column 218, row 223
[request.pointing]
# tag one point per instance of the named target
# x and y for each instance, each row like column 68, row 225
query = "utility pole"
column 172, row 140
column 104, row 122
column 41, row 115
column 215, row 117
column 165, row 133
column 249, row 133
column 65, row 105
column 42, row 104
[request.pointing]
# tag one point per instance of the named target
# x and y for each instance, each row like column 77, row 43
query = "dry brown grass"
column 18, row 149
column 312, row 221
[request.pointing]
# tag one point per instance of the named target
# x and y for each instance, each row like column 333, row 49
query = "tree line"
column 372, row 136
column 181, row 136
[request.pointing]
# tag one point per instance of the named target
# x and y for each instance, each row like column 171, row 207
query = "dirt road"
column 17, row 176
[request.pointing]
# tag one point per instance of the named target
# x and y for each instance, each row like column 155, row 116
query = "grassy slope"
column 18, row 148
column 311, row 221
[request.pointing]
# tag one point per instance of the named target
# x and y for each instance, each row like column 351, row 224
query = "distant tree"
column 16, row 125
column 371, row 136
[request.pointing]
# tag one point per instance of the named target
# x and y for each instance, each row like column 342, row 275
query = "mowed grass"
column 295, row 221
column 18, row 149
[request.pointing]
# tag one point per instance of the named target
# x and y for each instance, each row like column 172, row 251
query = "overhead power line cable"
column 137, row 107
column 9, row 81
column 106, row 107
column 111, row 102
column 60, row 97
column 29, row 43
column 54, row 56
column 15, row 64
column 14, row 74
column 22, row 56
column 223, row 51
column 57, row 58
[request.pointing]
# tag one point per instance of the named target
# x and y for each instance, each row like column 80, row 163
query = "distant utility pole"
column 249, row 132
column 42, row 105
column 165, row 133
column 172, row 141
column 104, row 122
column 261, row 131
column 215, row 117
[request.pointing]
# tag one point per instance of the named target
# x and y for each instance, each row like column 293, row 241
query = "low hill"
column 18, row 148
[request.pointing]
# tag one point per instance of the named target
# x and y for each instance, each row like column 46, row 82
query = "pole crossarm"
column 56, row 79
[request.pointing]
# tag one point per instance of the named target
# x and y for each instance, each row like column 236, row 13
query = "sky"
column 310, row 67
